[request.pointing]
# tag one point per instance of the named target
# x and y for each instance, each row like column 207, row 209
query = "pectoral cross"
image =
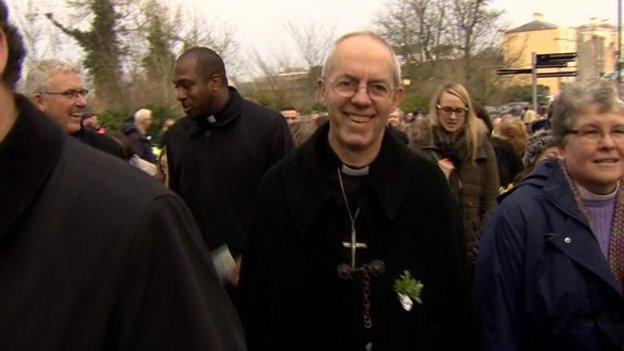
column 353, row 245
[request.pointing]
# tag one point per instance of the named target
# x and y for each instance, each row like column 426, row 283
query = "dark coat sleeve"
column 256, row 266
column 490, row 191
column 498, row 282
column 174, row 183
column 451, row 303
column 173, row 298
column 282, row 142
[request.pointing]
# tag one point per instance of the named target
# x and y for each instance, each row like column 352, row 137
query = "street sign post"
column 557, row 74
column 513, row 71
column 554, row 60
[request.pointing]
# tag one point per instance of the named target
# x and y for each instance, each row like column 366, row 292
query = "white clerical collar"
column 588, row 195
column 354, row 172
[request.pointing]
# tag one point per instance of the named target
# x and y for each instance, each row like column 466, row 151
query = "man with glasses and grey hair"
column 56, row 88
column 354, row 243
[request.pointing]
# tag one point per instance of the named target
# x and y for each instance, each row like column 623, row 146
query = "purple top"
column 600, row 209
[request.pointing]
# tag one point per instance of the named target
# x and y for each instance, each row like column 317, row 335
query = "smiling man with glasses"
column 339, row 223
column 57, row 89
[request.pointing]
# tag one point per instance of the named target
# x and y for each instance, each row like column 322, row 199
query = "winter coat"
column 216, row 165
column 474, row 185
column 295, row 298
column 140, row 142
column 541, row 281
column 101, row 142
column 94, row 255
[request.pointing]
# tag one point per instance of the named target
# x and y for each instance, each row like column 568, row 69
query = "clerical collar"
column 353, row 171
column 588, row 195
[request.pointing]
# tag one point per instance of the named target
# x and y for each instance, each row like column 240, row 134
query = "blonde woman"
column 453, row 137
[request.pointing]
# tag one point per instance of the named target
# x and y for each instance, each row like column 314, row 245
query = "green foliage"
column 318, row 107
column 268, row 99
column 409, row 286
column 114, row 118
column 415, row 101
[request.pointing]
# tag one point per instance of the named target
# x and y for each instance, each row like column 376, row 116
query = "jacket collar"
column 579, row 245
column 27, row 156
column 229, row 112
column 311, row 179
column 557, row 190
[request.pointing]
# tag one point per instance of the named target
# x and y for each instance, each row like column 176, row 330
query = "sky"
column 261, row 24
column 257, row 21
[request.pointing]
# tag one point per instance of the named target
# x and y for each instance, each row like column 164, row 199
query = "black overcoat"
column 94, row 255
column 295, row 300
column 216, row 164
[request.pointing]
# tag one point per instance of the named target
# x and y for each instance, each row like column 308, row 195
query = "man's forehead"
column 358, row 53
column 68, row 79
column 186, row 64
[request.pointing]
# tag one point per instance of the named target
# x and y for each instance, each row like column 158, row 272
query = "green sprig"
column 409, row 286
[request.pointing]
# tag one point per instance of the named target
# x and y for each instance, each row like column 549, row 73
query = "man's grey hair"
column 39, row 74
column 330, row 61
column 576, row 98
column 142, row 114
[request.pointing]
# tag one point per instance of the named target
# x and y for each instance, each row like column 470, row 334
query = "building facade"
column 542, row 38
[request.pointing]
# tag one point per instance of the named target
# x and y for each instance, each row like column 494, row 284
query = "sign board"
column 557, row 74
column 513, row 71
column 548, row 60
column 552, row 65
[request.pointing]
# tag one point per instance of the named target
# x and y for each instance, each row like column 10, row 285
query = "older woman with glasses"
column 550, row 273
column 453, row 137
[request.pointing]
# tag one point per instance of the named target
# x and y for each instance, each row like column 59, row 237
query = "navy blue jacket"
column 140, row 142
column 541, row 281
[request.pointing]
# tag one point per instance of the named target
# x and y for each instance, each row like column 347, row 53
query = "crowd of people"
column 364, row 228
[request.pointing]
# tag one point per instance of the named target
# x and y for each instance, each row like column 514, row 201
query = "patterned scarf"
column 616, row 240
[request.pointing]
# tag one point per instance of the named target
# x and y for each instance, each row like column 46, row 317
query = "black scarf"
column 451, row 146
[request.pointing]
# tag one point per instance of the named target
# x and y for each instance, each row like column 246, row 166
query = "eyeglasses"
column 348, row 87
column 69, row 94
column 593, row 135
column 448, row 111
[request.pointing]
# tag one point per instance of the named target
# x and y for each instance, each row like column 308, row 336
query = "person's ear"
column 321, row 89
column 217, row 81
column 4, row 51
column 38, row 100
column 399, row 94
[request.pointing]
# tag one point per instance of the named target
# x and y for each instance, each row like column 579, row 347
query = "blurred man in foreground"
column 93, row 255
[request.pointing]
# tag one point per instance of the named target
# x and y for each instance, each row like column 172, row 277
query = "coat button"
column 567, row 240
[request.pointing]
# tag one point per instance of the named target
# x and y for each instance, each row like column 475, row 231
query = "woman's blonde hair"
column 471, row 122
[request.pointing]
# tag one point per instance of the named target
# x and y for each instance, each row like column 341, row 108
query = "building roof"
column 597, row 26
column 533, row 26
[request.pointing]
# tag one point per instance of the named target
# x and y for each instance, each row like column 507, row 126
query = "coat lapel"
column 311, row 180
column 575, row 240
column 388, row 177
column 27, row 156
